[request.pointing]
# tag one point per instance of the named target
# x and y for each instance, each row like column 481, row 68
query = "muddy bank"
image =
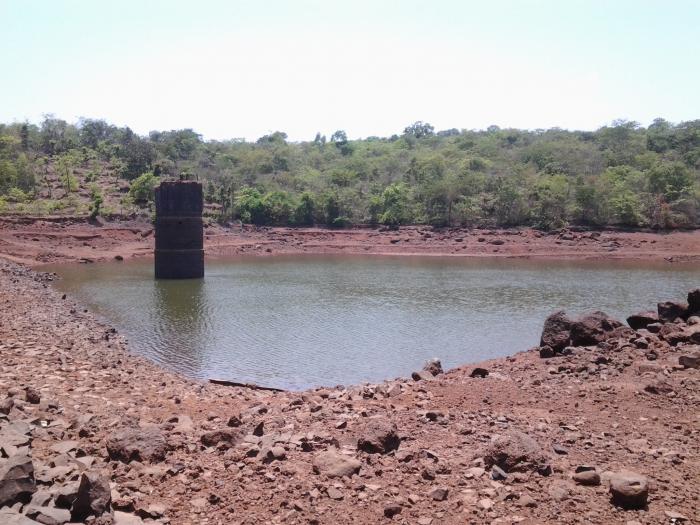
column 91, row 433
column 36, row 241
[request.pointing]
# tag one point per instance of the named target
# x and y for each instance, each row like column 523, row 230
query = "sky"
column 242, row 69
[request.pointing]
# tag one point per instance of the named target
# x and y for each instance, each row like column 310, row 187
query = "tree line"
column 622, row 174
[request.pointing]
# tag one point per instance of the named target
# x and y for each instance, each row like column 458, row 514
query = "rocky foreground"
column 600, row 424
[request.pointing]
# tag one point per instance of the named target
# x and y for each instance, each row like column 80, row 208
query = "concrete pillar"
column 179, row 250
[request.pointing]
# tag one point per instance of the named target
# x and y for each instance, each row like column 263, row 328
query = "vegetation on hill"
column 622, row 175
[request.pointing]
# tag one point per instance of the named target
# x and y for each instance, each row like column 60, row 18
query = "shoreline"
column 236, row 455
column 35, row 242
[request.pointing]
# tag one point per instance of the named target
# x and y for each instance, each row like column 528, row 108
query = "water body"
column 305, row 321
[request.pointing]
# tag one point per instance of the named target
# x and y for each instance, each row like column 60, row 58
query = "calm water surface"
column 298, row 322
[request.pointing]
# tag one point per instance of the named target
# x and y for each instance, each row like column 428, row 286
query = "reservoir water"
column 305, row 321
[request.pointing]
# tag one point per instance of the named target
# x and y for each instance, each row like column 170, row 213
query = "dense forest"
column 620, row 175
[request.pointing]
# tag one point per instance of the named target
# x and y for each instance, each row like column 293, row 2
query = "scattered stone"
column 586, row 476
column 556, row 331
column 32, row 395
column 694, row 302
column 546, row 352
column 515, row 451
column 392, row 509
column 16, row 480
column 629, row 490
column 439, row 493
column 334, row 493
column 335, row 465
column 140, row 444
column 434, row 367
column 690, row 360
column 93, row 498
column 669, row 311
column 479, row 372
column 422, row 375
column 48, row 515
column 497, row 473
column 379, row 437
column 592, row 328
column 642, row 320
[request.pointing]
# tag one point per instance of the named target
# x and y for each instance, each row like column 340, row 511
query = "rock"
column 658, row 386
column 234, row 421
column 439, row 493
column 669, row 311
column 6, row 405
column 334, row 493
column 422, row 375
column 65, row 495
column 642, row 320
column 556, row 331
column 94, row 496
column 629, row 490
column 123, row 518
column 497, row 473
column 485, row 503
column 17, row 482
column 690, row 360
column 259, row 429
column 546, row 352
column 392, row 509
column 587, row 477
column 694, row 302
column 48, row 515
column 213, row 438
column 32, row 395
column 335, row 465
column 515, row 451
column 527, row 501
column 479, row 372
column 675, row 516
column 9, row 516
column 379, row 437
column 434, row 367
column 141, row 444
column 592, row 328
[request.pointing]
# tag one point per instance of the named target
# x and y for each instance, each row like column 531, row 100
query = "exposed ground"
column 67, row 239
column 109, row 434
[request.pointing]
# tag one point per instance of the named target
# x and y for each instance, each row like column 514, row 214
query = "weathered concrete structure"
column 179, row 250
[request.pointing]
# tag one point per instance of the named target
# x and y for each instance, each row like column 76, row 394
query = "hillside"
column 619, row 175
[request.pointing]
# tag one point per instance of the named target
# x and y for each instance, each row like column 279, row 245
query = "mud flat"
column 34, row 241
column 603, row 431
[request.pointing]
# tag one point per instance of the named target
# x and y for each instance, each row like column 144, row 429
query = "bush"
column 17, row 195
column 142, row 189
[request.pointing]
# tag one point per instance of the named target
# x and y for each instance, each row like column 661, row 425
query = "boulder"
column 694, row 302
column 434, row 367
column 9, row 516
column 592, row 328
column 335, row 465
column 629, row 490
column 515, row 451
column 422, row 375
column 546, row 352
column 94, row 496
column 48, row 515
column 479, row 372
column 669, row 311
column 556, row 331
column 227, row 436
column 379, row 437
column 32, row 395
column 690, row 360
column 17, row 482
column 642, row 320
column 141, row 444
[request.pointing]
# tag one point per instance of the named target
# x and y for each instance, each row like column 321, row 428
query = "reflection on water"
column 297, row 322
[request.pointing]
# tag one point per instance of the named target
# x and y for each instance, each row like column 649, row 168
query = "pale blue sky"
column 232, row 68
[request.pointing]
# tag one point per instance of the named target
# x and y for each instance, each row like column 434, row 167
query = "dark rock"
column 32, row 395
column 515, row 451
column 379, row 437
column 422, row 375
column 546, row 352
column 6, row 405
column 141, row 444
column 654, row 328
column 17, row 482
column 229, row 437
column 690, row 360
column 694, row 302
column 439, row 493
column 48, row 515
column 497, row 473
column 65, row 495
column 588, row 477
column 642, row 320
column 234, row 421
column 669, row 311
column 93, row 498
column 335, row 465
column 658, row 387
column 434, row 367
column 556, row 331
column 592, row 328
column 392, row 509
column 259, row 429
column 479, row 372
column 629, row 490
